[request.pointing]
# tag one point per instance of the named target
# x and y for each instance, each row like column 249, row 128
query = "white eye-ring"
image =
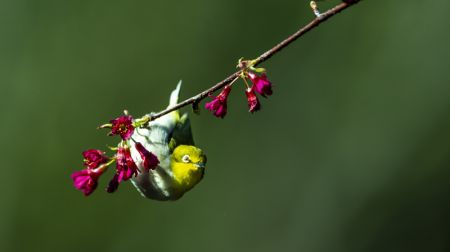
column 186, row 159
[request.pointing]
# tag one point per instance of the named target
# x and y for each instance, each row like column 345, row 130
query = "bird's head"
column 188, row 166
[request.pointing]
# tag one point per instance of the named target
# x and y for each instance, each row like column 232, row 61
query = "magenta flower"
column 86, row 180
column 123, row 126
column 261, row 84
column 150, row 161
column 113, row 184
column 219, row 104
column 125, row 166
column 253, row 102
column 94, row 158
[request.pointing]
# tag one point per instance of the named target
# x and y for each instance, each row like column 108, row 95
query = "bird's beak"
column 200, row 165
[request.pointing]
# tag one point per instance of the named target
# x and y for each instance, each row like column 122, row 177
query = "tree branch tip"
column 245, row 65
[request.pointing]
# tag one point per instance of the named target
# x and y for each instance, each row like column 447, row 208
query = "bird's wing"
column 155, row 138
column 157, row 135
column 160, row 130
column 182, row 133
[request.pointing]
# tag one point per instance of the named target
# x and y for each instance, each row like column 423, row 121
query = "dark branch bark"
column 263, row 57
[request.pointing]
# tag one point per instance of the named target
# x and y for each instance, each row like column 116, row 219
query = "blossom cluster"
column 261, row 85
column 96, row 162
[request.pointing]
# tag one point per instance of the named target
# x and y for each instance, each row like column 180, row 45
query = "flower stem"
column 245, row 81
column 233, row 81
column 105, row 166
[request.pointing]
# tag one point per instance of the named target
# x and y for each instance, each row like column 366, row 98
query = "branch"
column 96, row 162
column 320, row 18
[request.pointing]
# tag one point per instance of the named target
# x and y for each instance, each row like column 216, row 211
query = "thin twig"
column 265, row 56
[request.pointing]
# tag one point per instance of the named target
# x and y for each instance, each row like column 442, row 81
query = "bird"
column 181, row 163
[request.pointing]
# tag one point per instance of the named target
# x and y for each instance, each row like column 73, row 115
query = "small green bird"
column 181, row 163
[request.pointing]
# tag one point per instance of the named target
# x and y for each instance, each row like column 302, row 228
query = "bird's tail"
column 161, row 128
column 174, row 95
column 175, row 115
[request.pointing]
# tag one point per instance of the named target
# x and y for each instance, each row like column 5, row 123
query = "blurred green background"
column 351, row 153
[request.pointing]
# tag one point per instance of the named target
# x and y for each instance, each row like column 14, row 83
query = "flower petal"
column 86, row 180
column 219, row 104
column 253, row 102
column 123, row 126
column 261, row 84
column 150, row 161
column 125, row 166
column 94, row 158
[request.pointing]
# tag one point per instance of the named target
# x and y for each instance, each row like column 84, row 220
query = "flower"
column 219, row 104
column 125, row 166
column 261, row 84
column 150, row 161
column 113, row 184
column 94, row 158
column 253, row 102
column 123, row 126
column 86, row 180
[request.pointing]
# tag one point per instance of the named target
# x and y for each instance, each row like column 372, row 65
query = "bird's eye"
column 186, row 159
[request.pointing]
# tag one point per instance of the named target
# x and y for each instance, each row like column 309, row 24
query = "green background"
column 351, row 153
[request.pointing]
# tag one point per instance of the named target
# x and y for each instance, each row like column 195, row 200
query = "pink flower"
column 113, row 184
column 122, row 126
column 94, row 158
column 253, row 102
column 150, row 160
column 261, row 84
column 219, row 104
column 125, row 166
column 86, row 180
